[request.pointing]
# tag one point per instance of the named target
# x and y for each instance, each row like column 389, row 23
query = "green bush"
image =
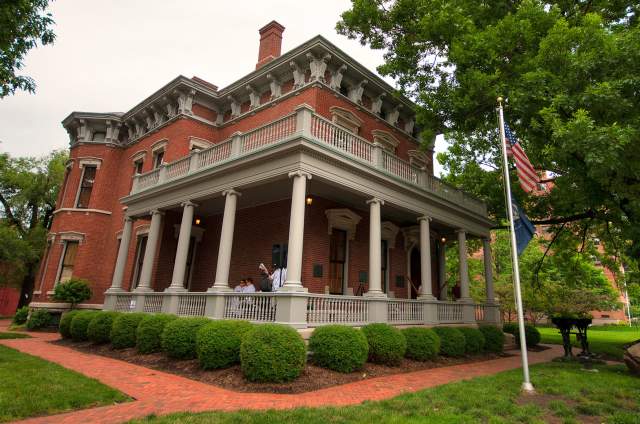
column 65, row 324
column 21, row 315
column 531, row 335
column 493, row 338
column 80, row 324
column 452, row 341
column 510, row 327
column 179, row 337
column 272, row 353
column 473, row 340
column 123, row 330
column 148, row 335
column 39, row 318
column 387, row 344
column 218, row 343
column 423, row 344
column 74, row 291
column 99, row 329
column 339, row 348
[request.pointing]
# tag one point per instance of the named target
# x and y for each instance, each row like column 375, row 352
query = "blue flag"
column 524, row 229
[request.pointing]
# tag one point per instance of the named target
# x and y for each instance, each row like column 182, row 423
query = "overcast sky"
column 110, row 55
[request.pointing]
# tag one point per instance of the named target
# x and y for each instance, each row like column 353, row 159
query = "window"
column 137, row 166
column 86, row 186
column 158, row 158
column 141, row 247
column 337, row 260
column 68, row 259
column 279, row 255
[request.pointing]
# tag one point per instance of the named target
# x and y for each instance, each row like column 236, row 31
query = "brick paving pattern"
column 160, row 393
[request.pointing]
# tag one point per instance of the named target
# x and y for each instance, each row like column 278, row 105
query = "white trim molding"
column 199, row 142
column 159, row 145
column 343, row 219
column 389, row 232
column 81, row 210
column 388, row 141
column 89, row 160
column 140, row 154
column 72, row 236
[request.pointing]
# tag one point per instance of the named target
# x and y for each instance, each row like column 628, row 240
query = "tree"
column 28, row 192
column 23, row 24
column 568, row 72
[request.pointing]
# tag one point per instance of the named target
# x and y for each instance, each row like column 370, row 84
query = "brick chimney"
column 270, row 43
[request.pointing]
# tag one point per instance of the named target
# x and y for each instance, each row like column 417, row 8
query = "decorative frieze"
column 275, row 86
column 393, row 115
column 254, row 97
column 235, row 106
column 376, row 104
column 185, row 101
column 318, row 66
column 355, row 92
column 298, row 75
column 336, row 77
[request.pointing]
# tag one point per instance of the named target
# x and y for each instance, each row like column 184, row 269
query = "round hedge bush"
column 149, row 332
column 39, row 318
column 179, row 337
column 21, row 316
column 510, row 327
column 423, row 344
column 339, row 348
column 531, row 335
column 452, row 341
column 65, row 324
column 99, row 329
column 123, row 330
column 218, row 343
column 387, row 344
column 493, row 338
column 272, row 353
column 473, row 340
column 80, row 324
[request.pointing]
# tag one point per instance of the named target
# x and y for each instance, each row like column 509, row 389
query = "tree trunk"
column 28, row 283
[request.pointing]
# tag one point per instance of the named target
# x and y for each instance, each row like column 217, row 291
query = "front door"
column 337, row 260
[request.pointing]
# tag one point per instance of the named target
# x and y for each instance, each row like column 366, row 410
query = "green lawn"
column 14, row 336
column 571, row 395
column 605, row 340
column 30, row 386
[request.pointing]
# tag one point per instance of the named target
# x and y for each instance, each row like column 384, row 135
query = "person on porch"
column 278, row 277
column 248, row 286
column 265, row 282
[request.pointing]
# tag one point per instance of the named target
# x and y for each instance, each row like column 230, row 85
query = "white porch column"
column 121, row 260
column 296, row 232
column 182, row 251
column 150, row 252
column 464, row 271
column 221, row 282
column 442, row 269
column 375, row 249
column 425, row 259
column 488, row 270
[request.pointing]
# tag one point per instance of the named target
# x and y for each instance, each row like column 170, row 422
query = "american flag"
column 527, row 175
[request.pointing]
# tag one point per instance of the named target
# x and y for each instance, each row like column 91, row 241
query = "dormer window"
column 345, row 119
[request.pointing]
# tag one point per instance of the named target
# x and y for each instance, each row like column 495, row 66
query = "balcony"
column 322, row 133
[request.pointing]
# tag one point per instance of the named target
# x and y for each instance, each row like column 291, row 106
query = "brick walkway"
column 159, row 393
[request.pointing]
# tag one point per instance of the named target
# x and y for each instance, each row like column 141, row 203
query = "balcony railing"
column 326, row 133
column 305, row 309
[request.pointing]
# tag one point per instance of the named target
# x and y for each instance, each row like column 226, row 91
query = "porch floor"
column 162, row 393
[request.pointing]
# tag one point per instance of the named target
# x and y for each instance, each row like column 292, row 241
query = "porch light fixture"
column 443, row 239
column 198, row 221
column 309, row 200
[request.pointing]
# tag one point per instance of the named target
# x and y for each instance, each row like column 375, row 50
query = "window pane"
column 86, row 186
column 70, row 251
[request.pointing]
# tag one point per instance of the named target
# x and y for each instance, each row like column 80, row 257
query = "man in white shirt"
column 278, row 277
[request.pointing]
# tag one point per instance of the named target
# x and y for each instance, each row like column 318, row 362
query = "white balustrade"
column 450, row 312
column 124, row 303
column 329, row 309
column 214, row 154
column 400, row 168
column 269, row 133
column 405, row 311
column 328, row 132
column 152, row 303
column 147, row 179
column 178, row 168
column 192, row 304
column 256, row 307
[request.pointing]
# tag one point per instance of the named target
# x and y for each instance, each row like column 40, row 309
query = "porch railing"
column 324, row 132
column 304, row 309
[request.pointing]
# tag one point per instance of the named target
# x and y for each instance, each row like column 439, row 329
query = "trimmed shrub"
column 452, row 341
column 123, row 330
column 531, row 336
column 493, row 338
column 218, row 343
column 80, row 324
column 39, row 318
column 272, row 353
column 510, row 327
column 149, row 332
column 179, row 337
column 473, row 340
column 387, row 345
column 65, row 324
column 21, row 315
column 99, row 329
column 423, row 344
column 73, row 291
column 339, row 348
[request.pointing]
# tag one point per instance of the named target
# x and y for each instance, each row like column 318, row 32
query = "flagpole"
column 526, row 384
